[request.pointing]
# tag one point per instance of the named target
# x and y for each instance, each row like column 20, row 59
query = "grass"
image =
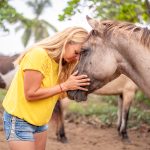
column 142, row 99
column 105, row 108
column 95, row 106
column 2, row 94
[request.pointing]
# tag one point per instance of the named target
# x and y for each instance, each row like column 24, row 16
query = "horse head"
column 96, row 60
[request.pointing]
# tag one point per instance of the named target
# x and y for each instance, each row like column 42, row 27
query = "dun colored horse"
column 114, row 48
column 126, row 89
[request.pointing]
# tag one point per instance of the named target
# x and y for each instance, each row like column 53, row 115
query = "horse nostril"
column 2, row 85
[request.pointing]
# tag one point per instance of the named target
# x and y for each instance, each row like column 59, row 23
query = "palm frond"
column 50, row 25
column 31, row 4
column 26, row 36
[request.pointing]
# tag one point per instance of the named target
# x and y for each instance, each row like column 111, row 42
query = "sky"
column 11, row 43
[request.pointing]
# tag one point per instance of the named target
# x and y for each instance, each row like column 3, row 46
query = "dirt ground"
column 87, row 137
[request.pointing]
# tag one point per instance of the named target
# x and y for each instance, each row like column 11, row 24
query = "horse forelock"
column 92, row 38
column 142, row 35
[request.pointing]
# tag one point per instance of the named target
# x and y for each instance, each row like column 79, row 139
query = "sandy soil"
column 87, row 137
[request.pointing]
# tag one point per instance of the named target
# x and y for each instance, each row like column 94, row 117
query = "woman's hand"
column 75, row 82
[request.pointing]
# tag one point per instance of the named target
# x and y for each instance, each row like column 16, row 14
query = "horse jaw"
column 77, row 95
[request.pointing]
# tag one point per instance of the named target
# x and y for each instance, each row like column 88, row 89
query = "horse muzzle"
column 77, row 95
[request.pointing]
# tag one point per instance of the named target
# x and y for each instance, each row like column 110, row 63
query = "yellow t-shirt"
column 36, row 112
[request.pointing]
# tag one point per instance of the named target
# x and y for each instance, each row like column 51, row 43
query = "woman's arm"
column 34, row 91
column 32, row 86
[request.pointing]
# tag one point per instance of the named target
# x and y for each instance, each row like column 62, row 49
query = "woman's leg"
column 21, row 145
column 39, row 144
column 23, row 136
column 40, row 140
column 18, row 133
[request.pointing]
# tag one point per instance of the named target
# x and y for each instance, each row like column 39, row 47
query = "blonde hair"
column 55, row 47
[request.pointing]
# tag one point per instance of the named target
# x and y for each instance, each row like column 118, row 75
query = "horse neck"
column 135, row 63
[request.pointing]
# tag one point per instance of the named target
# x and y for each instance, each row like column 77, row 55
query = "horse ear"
column 92, row 22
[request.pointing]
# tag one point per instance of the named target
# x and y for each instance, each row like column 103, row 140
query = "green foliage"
column 106, row 110
column 112, row 100
column 38, row 6
column 2, row 94
column 142, row 99
column 138, row 116
column 70, row 9
column 8, row 14
column 129, row 10
column 107, row 113
column 92, row 109
column 26, row 36
column 140, row 96
column 38, row 28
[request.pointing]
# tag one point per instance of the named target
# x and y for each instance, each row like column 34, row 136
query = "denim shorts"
column 18, row 129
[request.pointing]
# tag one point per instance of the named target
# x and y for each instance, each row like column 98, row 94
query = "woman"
column 43, row 74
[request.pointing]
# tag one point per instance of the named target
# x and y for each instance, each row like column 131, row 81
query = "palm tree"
column 38, row 28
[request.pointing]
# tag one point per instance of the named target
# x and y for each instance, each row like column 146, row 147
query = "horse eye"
column 104, row 24
column 83, row 50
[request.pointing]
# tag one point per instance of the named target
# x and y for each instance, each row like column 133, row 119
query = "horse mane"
column 142, row 34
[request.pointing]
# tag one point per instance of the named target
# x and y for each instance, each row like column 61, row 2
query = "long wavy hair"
column 55, row 47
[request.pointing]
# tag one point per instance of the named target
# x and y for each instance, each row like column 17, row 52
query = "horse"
column 6, row 63
column 126, row 89
column 114, row 48
column 7, row 70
